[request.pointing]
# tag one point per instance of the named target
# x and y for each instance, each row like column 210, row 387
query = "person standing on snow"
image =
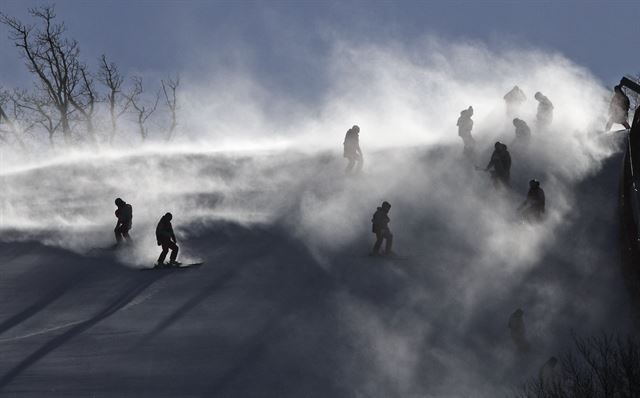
column 465, row 125
column 513, row 100
column 380, row 227
column 167, row 239
column 352, row 149
column 545, row 111
column 533, row 207
column 124, row 214
column 523, row 133
column 618, row 109
column 500, row 165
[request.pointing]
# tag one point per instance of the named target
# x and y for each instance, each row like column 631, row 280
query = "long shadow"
column 133, row 290
column 195, row 300
column 307, row 294
column 40, row 304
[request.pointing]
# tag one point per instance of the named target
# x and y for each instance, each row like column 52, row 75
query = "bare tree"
column 42, row 112
column 53, row 59
column 169, row 89
column 143, row 111
column 84, row 101
column 110, row 76
column 12, row 119
column 604, row 366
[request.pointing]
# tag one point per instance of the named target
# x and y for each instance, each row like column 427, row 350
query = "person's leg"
column 389, row 244
column 376, row 246
column 174, row 251
column 118, row 232
column 360, row 161
column 163, row 255
column 350, row 165
column 125, row 233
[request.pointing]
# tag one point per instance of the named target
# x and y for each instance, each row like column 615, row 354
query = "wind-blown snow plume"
column 253, row 156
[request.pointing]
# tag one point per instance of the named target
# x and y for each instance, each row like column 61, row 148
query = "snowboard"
column 174, row 268
column 388, row 258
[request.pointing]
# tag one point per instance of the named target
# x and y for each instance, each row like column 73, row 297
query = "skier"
column 167, row 239
column 465, row 125
column 618, row 109
column 518, row 331
column 533, row 207
column 352, row 149
column 380, row 227
column 514, row 99
column 523, row 133
column 124, row 214
column 545, row 111
column 501, row 164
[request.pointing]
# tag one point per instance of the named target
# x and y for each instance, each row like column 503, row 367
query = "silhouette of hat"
column 119, row 202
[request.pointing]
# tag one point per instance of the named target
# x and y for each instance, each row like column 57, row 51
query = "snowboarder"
column 167, row 239
column 517, row 330
column 545, row 111
column 380, row 227
column 465, row 125
column 500, row 164
column 352, row 149
column 513, row 100
column 523, row 133
column 124, row 214
column 618, row 109
column 533, row 207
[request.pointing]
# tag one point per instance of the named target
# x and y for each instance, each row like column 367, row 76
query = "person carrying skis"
column 352, row 149
column 124, row 214
column 380, row 227
column 465, row 125
column 618, row 109
column 167, row 239
column 533, row 207
column 523, row 133
column 545, row 111
column 513, row 100
column 500, row 165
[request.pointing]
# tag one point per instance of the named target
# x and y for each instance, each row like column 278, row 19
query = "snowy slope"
column 287, row 305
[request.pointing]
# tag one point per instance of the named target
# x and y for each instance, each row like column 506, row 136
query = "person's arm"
column 173, row 236
column 491, row 163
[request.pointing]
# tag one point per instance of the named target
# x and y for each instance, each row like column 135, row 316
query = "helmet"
column 533, row 184
column 168, row 216
column 538, row 95
column 119, row 202
column 497, row 145
column 355, row 128
column 386, row 205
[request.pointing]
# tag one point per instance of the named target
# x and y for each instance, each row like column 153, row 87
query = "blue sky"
column 282, row 41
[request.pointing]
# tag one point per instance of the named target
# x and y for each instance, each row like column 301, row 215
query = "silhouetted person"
column 465, row 125
column 545, row 111
column 517, row 330
column 124, row 214
column 167, row 239
column 352, row 149
column 380, row 227
column 500, row 165
column 533, row 207
column 549, row 372
column 523, row 133
column 514, row 99
column 618, row 109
